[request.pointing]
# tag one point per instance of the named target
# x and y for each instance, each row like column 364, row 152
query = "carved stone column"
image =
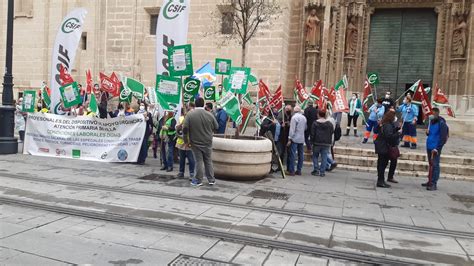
column 354, row 33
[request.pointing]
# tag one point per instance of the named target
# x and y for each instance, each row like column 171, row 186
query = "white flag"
column 171, row 30
column 64, row 51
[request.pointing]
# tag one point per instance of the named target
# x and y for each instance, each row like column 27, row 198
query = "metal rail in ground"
column 227, row 236
column 347, row 220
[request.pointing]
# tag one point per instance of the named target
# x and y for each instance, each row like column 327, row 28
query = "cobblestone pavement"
column 302, row 210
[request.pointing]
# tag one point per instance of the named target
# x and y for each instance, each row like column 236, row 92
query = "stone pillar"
column 323, row 72
column 469, row 84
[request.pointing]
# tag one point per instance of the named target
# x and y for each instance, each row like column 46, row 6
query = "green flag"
column 238, row 80
column 191, row 88
column 45, row 95
column 93, row 106
column 168, row 92
column 70, row 94
column 343, row 83
column 253, row 79
column 231, row 106
column 247, row 98
column 136, row 88
column 373, row 78
column 29, row 100
column 210, row 93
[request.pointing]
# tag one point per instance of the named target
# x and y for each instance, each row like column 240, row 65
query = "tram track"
column 345, row 220
column 226, row 236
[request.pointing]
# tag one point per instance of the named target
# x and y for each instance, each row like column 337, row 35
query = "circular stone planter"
column 245, row 158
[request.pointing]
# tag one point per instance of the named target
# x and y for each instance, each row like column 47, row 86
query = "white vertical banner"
column 64, row 51
column 171, row 30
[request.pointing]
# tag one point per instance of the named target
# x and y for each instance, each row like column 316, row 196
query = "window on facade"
column 83, row 43
column 227, row 26
column 153, row 21
column 24, row 8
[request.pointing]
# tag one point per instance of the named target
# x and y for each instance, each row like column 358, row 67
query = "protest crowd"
column 313, row 121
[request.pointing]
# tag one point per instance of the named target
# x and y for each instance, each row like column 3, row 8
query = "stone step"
column 398, row 172
column 405, row 154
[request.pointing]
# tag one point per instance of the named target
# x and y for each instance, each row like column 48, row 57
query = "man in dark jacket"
column 221, row 117
column 321, row 137
column 388, row 102
column 311, row 114
column 437, row 132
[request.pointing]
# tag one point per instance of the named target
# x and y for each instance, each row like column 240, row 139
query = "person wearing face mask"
column 438, row 133
column 20, row 121
column 355, row 106
column 377, row 110
column 388, row 102
column 409, row 116
column 148, row 130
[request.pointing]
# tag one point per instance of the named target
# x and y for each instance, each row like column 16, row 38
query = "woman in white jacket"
column 20, row 119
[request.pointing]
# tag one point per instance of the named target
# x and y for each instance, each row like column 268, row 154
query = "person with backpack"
column 386, row 147
column 438, row 133
column 322, row 132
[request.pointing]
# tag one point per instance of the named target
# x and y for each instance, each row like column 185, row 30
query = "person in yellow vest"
column 168, row 138
column 184, row 150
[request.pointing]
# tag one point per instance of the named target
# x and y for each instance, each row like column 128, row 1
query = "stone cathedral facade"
column 402, row 40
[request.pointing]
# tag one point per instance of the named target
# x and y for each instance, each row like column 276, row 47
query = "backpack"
column 337, row 132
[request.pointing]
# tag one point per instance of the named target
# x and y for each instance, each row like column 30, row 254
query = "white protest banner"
column 64, row 51
column 171, row 30
column 84, row 137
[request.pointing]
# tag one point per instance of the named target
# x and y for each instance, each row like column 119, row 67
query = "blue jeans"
column 183, row 154
column 435, row 163
column 323, row 150
column 330, row 160
column 168, row 157
column 296, row 147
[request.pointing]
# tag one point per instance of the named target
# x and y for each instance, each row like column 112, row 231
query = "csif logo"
column 172, row 9
column 70, row 25
column 209, row 92
column 191, row 85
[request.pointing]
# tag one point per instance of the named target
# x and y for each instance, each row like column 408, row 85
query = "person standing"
column 104, row 97
column 311, row 114
column 198, row 128
column 20, row 119
column 148, row 130
column 284, row 119
column 322, row 131
column 388, row 138
column 355, row 106
column 388, row 102
column 183, row 149
column 221, row 117
column 168, row 139
column 438, row 133
column 377, row 111
column 296, row 141
column 409, row 116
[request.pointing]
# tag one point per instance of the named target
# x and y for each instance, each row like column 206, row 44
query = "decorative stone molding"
column 355, row 9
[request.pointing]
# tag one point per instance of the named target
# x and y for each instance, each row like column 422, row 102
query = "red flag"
column 332, row 95
column 322, row 102
column 300, row 93
column 110, row 84
column 340, row 103
column 277, row 99
column 440, row 99
column 64, row 76
column 366, row 96
column 246, row 115
column 316, row 90
column 264, row 93
column 421, row 97
column 89, row 82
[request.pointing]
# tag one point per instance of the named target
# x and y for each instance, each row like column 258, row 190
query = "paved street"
column 302, row 210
